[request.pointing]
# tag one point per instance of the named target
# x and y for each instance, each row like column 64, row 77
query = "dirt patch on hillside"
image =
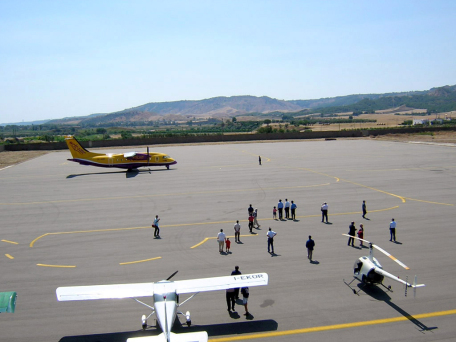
column 435, row 137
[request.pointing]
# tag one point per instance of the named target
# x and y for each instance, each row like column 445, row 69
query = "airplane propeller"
column 172, row 275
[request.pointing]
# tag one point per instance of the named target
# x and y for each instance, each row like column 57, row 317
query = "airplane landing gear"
column 188, row 320
column 144, row 322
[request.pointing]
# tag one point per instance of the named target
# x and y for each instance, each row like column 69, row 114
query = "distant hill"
column 435, row 99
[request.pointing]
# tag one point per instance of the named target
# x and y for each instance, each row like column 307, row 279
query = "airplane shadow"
column 380, row 295
column 212, row 330
column 128, row 174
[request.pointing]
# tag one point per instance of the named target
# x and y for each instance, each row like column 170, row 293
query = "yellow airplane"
column 129, row 160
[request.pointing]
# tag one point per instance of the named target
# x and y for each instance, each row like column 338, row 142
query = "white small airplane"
column 166, row 299
column 369, row 271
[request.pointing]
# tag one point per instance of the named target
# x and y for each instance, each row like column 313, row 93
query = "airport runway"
column 65, row 224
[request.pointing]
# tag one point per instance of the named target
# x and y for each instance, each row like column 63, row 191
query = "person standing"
column 255, row 217
column 310, row 244
column 250, row 210
column 280, row 209
column 155, row 225
column 233, row 273
column 271, row 234
column 324, row 212
column 230, row 301
column 274, row 213
column 287, row 209
column 259, row 159
column 251, row 218
column 221, row 240
column 393, row 230
column 361, row 234
column 237, row 232
column 245, row 299
column 364, row 208
column 352, row 233
column 293, row 210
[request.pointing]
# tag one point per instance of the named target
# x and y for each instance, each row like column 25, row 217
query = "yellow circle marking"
column 333, row 327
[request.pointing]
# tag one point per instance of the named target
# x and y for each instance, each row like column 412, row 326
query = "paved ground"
column 66, row 224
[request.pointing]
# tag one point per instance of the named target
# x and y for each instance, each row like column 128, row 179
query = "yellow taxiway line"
column 9, row 256
column 138, row 261
column 334, row 327
column 190, row 224
column 14, row 243
column 59, row 266
column 214, row 237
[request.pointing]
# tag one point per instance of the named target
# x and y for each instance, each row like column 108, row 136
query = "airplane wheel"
column 144, row 322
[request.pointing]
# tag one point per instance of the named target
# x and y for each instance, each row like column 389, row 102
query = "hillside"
column 435, row 100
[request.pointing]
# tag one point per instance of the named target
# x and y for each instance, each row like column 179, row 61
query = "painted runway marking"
column 32, row 244
column 138, row 261
column 164, row 195
column 214, row 237
column 334, row 327
column 59, row 266
column 14, row 243
column 9, row 256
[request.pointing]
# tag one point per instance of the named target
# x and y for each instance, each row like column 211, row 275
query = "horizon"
column 66, row 59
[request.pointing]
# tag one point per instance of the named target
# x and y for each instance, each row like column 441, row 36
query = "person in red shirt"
column 227, row 245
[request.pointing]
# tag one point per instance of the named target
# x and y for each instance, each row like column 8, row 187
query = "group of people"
column 287, row 207
column 233, row 294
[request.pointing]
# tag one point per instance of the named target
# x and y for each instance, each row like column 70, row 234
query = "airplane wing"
column 200, row 336
column 129, row 154
column 116, row 291
column 220, row 283
column 8, row 301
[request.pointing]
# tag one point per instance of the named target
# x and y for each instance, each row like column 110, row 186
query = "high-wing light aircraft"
column 129, row 160
column 8, row 301
column 370, row 271
column 166, row 299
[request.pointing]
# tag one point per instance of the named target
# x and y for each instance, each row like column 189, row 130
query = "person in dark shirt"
column 236, row 272
column 310, row 244
column 351, row 232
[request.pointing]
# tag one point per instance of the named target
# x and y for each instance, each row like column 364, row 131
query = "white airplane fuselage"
column 165, row 304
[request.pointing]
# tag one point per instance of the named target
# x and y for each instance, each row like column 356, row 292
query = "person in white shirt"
column 287, row 209
column 221, row 240
column 237, row 232
column 255, row 216
column 324, row 212
column 271, row 234
column 393, row 230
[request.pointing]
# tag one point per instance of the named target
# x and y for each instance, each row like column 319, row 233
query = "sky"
column 67, row 58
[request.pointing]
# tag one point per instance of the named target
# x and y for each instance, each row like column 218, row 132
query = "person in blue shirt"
column 280, row 209
column 293, row 210
column 310, row 244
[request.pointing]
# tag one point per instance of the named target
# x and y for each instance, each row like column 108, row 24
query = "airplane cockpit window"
column 357, row 266
column 165, row 157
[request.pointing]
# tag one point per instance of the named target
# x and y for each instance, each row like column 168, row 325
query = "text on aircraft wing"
column 220, row 283
column 116, row 291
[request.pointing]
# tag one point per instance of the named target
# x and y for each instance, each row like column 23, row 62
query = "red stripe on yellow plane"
column 129, row 160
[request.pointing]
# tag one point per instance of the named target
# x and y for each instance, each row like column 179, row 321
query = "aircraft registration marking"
column 334, row 327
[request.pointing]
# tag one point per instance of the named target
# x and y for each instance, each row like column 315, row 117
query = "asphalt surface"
column 65, row 224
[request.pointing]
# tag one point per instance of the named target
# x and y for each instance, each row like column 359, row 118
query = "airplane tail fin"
column 77, row 151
